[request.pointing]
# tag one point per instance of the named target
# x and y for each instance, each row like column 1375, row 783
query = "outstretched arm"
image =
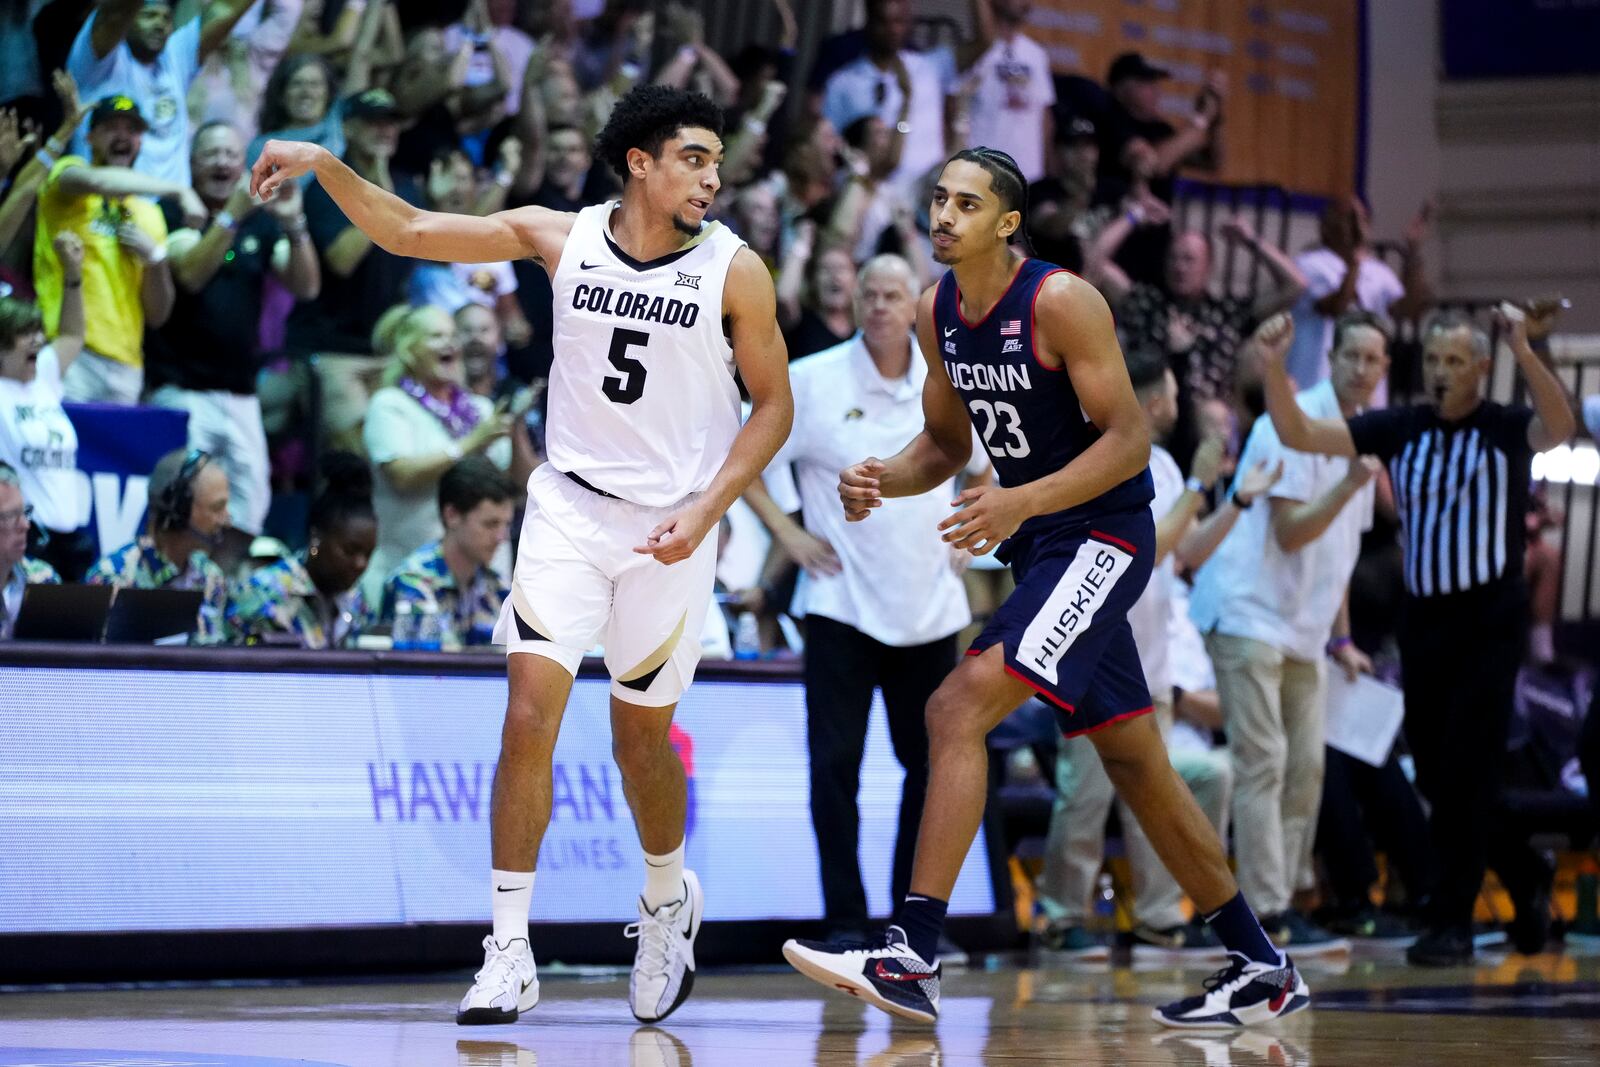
column 112, row 21
column 1295, row 523
column 399, row 228
column 1296, row 429
column 763, row 361
column 1100, row 265
column 1173, row 527
column 1418, row 296
column 218, row 21
column 1206, row 536
column 1288, row 284
column 1553, row 421
column 73, row 326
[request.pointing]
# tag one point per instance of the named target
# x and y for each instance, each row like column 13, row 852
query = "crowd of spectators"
column 366, row 420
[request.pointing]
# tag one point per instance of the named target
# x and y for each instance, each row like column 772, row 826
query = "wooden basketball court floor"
column 1368, row 1011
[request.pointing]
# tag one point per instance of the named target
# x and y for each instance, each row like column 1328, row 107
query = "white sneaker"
column 649, row 1047
column 663, row 966
column 507, row 985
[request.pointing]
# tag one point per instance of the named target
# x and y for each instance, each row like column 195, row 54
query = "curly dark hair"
column 647, row 118
column 346, row 492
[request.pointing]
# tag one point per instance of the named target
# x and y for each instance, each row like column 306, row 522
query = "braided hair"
column 1008, row 182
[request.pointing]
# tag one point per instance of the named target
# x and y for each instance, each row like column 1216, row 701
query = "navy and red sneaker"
column 1244, row 993
column 884, row 972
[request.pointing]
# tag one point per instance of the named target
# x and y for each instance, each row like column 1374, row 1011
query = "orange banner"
column 1293, row 72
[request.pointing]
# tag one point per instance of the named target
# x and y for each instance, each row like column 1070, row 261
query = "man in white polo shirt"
column 1268, row 603
column 882, row 606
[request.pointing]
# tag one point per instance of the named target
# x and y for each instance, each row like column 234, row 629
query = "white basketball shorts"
column 578, row 582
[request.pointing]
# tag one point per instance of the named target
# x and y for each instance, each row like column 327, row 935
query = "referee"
column 1460, row 467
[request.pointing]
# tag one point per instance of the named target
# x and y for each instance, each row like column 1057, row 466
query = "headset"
column 173, row 507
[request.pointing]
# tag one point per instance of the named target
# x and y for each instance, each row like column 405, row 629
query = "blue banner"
column 117, row 449
column 275, row 799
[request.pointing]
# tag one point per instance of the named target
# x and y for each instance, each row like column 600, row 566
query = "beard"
column 684, row 226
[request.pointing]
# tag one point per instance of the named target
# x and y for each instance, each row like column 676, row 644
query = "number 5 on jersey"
column 994, row 415
column 629, row 387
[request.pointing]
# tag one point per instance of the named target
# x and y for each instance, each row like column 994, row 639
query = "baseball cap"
column 118, row 106
column 372, row 104
column 1134, row 65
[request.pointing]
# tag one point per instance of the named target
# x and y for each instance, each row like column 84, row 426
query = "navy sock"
column 1241, row 932
column 922, row 918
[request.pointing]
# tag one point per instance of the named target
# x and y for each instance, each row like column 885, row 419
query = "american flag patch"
column 1011, row 328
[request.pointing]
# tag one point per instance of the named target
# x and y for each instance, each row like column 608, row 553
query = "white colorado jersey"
column 643, row 403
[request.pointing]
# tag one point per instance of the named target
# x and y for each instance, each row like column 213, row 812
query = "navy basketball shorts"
column 1065, row 628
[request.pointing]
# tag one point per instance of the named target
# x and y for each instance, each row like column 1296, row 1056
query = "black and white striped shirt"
column 1461, row 489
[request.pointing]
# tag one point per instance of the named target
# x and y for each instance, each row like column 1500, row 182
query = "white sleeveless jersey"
column 642, row 400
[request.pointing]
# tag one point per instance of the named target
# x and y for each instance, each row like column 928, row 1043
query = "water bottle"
column 747, row 637
column 404, row 634
column 430, row 632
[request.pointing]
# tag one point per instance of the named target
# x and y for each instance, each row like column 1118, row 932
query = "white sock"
column 663, row 878
column 513, row 893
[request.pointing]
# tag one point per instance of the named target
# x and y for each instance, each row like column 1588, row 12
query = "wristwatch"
column 1195, row 485
column 1242, row 505
column 225, row 219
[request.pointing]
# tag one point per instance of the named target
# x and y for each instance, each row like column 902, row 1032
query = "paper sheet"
column 1363, row 716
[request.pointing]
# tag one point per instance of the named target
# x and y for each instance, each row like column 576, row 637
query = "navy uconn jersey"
column 1027, row 415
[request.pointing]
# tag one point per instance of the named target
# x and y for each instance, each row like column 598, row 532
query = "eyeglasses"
column 17, row 516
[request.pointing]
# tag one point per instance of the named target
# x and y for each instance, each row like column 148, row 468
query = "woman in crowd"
column 36, row 437
column 299, row 104
column 421, row 422
column 304, row 98
column 311, row 600
column 816, row 294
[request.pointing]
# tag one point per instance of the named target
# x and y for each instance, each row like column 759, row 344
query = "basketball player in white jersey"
column 654, row 309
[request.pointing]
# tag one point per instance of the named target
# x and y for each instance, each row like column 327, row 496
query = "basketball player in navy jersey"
column 1025, row 352
column 653, row 310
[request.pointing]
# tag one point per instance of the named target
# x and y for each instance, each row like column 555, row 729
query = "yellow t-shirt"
column 112, row 276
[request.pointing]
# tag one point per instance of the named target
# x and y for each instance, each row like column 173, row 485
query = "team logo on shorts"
column 1071, row 608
